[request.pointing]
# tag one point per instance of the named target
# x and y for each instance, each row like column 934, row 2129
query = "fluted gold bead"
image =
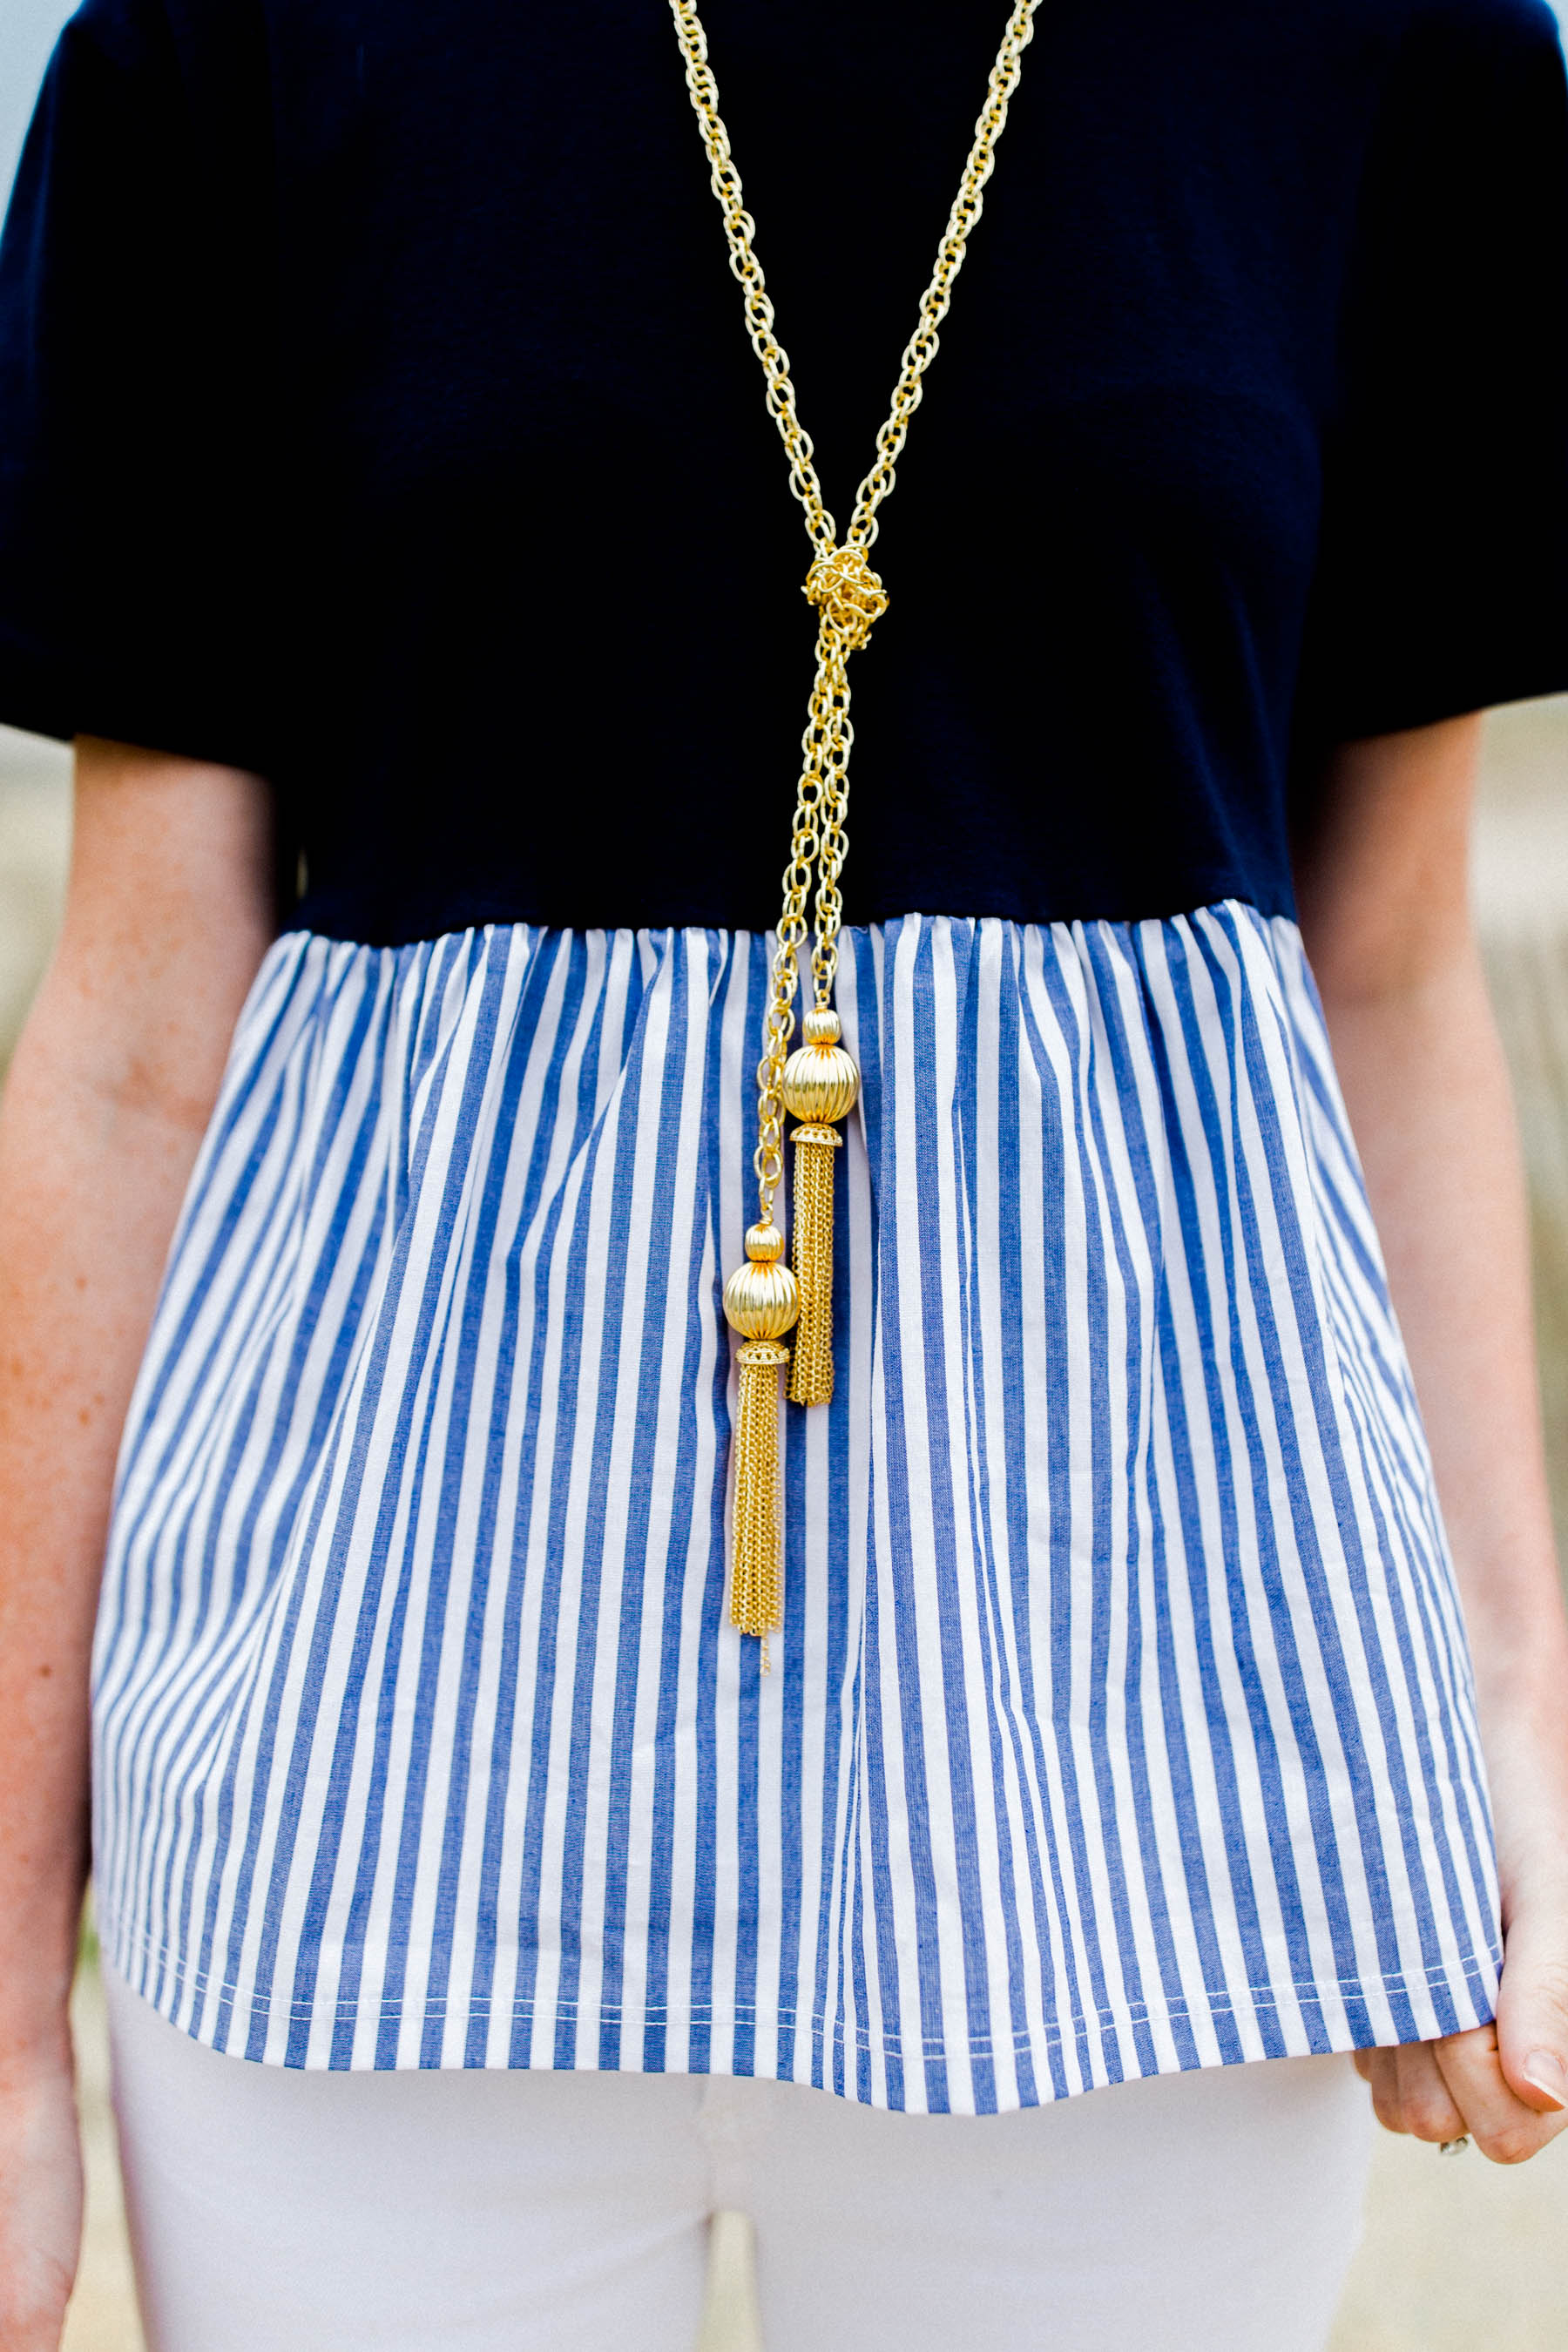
column 820, row 1084
column 762, row 1299
column 822, row 1026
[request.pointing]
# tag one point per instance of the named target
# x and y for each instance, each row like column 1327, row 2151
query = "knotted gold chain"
column 818, row 1085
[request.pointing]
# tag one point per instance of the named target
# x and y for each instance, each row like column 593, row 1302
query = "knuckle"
column 1388, row 2108
column 1512, row 2144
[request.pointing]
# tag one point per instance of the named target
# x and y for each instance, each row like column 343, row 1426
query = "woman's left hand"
column 1385, row 903
column 1505, row 2086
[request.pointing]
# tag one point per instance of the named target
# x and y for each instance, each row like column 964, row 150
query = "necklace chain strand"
column 921, row 348
column 764, row 1299
column 849, row 595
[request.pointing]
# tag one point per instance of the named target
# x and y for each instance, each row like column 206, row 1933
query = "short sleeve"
column 132, row 445
column 1442, row 581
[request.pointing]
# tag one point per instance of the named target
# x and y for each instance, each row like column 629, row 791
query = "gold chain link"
column 847, row 594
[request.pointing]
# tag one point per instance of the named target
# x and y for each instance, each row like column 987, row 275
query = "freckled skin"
column 168, row 916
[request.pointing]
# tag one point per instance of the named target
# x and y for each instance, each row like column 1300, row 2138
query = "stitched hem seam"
column 1470, row 1980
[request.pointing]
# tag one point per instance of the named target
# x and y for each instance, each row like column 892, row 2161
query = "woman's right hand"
column 40, row 2202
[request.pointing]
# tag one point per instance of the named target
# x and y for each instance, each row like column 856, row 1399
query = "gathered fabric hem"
column 829, row 2054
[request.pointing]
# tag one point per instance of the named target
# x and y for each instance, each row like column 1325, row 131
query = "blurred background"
column 1458, row 2255
column 27, row 30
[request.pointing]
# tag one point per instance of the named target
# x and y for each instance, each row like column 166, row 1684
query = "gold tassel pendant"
column 811, row 1225
column 820, row 1085
column 756, row 1582
column 761, row 1303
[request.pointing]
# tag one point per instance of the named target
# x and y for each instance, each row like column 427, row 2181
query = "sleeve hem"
column 32, row 687
column 1434, row 700
column 42, row 692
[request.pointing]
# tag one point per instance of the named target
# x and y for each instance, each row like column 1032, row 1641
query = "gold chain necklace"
column 819, row 1084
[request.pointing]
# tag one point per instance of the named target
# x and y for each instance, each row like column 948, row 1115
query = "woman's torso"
column 1122, row 1719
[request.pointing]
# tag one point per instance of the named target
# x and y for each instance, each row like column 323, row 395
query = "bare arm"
column 1386, row 913
column 167, row 917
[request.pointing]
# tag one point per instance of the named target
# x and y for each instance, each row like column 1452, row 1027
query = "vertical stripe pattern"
column 1121, row 1719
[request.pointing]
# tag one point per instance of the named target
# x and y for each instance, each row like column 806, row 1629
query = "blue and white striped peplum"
column 1121, row 1719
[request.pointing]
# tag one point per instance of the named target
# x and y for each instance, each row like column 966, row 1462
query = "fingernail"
column 1549, row 2075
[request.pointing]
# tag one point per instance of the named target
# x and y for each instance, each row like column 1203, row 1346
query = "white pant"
column 277, row 2211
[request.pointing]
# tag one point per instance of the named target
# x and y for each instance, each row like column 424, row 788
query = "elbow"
column 122, row 1070
column 1390, row 962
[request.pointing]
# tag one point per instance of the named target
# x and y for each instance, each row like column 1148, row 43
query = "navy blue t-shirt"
column 376, row 412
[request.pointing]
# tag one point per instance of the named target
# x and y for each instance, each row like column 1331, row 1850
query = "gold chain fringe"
column 849, row 599
column 755, row 1583
column 811, row 1373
